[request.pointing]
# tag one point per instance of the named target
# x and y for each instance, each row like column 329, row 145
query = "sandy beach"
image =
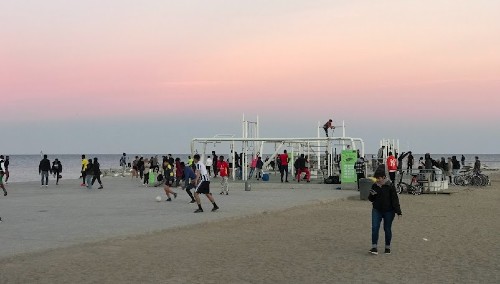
column 440, row 239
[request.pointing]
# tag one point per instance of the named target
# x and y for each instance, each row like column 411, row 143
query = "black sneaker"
column 221, row 193
column 387, row 251
column 175, row 195
column 215, row 208
column 198, row 210
column 192, row 201
column 169, row 199
column 374, row 251
column 0, row 219
column 227, row 193
column 5, row 192
column 100, row 187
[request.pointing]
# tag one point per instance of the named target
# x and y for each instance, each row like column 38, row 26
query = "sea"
column 24, row 168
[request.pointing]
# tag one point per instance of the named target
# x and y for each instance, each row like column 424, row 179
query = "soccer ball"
column 158, row 198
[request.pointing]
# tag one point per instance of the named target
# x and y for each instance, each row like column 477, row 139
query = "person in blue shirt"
column 189, row 180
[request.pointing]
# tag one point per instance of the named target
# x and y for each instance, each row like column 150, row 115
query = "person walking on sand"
column 477, row 166
column 89, row 173
column 189, row 180
column 135, row 172
column 385, row 204
column 328, row 125
column 223, row 168
column 123, row 163
column 2, row 173
column 410, row 162
column 209, row 165
column 359, row 166
column 84, row 170
column 284, row 165
column 455, row 167
column 97, row 173
column 147, row 167
column 179, row 171
column 57, row 170
column 215, row 158
column 463, row 160
column 253, row 165
column 44, row 169
column 258, row 166
column 168, row 173
column 202, row 185
column 140, row 167
column 392, row 166
column 7, row 172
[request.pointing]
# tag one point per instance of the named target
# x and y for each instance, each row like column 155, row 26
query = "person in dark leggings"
column 6, row 166
column 97, row 173
column 57, row 170
column 284, row 166
column 189, row 179
column 2, row 172
column 84, row 170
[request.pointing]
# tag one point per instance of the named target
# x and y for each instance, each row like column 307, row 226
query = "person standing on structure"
column 328, row 125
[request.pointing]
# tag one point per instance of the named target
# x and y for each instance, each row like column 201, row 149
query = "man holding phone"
column 385, row 203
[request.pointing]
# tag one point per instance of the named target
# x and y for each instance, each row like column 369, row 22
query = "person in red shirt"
column 284, row 165
column 223, row 169
column 392, row 166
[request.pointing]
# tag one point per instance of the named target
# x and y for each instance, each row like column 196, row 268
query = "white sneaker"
column 46, row 186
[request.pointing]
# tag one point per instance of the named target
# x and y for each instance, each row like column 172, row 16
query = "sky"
column 114, row 76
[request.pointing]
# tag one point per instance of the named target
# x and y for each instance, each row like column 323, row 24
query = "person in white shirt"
column 202, row 184
column 209, row 164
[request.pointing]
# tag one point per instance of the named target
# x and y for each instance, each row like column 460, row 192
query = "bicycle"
column 410, row 188
column 469, row 177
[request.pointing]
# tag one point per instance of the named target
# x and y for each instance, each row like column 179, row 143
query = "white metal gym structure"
column 321, row 150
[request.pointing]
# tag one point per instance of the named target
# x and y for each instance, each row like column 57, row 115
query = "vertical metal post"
column 343, row 128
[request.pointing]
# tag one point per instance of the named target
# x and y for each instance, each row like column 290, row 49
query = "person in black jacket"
column 57, row 170
column 89, row 173
column 44, row 169
column 97, row 173
column 385, row 205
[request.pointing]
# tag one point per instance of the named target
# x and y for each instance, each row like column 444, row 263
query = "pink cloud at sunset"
column 250, row 56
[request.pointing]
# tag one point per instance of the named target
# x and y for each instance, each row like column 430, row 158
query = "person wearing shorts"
column 168, row 174
column 202, row 185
